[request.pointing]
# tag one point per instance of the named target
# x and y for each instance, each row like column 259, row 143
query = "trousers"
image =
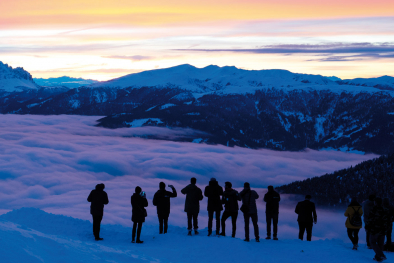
column 96, row 225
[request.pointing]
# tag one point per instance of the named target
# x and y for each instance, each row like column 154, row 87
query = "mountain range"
column 274, row 109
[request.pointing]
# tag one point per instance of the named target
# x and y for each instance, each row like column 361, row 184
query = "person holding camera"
column 249, row 209
column 161, row 200
column 138, row 204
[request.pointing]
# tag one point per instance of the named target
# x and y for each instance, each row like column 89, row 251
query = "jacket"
column 272, row 200
column 230, row 200
column 367, row 208
column 193, row 198
column 249, row 198
column 98, row 198
column 138, row 204
column 377, row 222
column 306, row 212
column 350, row 211
column 161, row 200
column 214, row 192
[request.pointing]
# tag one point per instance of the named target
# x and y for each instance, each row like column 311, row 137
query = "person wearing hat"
column 249, row 209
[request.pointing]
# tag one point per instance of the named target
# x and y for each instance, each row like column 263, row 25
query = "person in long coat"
column 192, row 205
column 138, row 213
column 249, row 197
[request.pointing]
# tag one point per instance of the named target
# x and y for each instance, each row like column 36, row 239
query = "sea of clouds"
column 53, row 162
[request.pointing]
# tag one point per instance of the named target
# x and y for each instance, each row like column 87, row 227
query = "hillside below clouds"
column 274, row 109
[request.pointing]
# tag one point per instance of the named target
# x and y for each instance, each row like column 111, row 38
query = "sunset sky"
column 107, row 39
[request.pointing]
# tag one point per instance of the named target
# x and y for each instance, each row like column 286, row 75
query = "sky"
column 53, row 162
column 108, row 39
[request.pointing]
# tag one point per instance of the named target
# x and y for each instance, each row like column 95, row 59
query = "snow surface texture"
column 16, row 79
column 31, row 235
column 52, row 163
column 225, row 80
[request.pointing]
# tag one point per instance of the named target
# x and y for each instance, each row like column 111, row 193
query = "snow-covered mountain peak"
column 12, row 79
column 228, row 79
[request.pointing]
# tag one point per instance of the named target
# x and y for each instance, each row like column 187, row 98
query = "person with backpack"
column 214, row 192
column 192, row 205
column 306, row 217
column 161, row 200
column 230, row 200
column 390, row 208
column 272, row 199
column 97, row 198
column 138, row 214
column 354, row 222
column 249, row 209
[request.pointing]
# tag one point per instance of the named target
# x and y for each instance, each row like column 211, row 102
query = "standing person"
column 377, row 223
column 230, row 200
column 249, row 209
column 367, row 208
column 353, row 222
column 390, row 208
column 306, row 217
column 138, row 214
column 192, row 204
column 97, row 198
column 214, row 192
column 161, row 200
column 272, row 199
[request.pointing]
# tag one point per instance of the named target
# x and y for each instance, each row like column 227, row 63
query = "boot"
column 268, row 237
column 246, row 240
column 222, row 234
column 196, row 232
column 209, row 233
column 189, row 233
column 257, row 239
column 139, row 241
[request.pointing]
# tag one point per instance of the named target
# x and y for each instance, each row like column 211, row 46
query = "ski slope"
column 32, row 235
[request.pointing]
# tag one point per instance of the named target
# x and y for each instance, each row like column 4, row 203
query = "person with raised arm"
column 161, row 200
column 97, row 198
column 138, row 213
column 192, row 205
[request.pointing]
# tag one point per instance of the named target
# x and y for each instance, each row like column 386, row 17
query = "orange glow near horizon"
column 106, row 39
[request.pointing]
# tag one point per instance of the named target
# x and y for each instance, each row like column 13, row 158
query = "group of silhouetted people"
column 378, row 214
column 378, row 219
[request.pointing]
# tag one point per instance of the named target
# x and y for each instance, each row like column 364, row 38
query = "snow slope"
column 15, row 79
column 31, row 235
column 224, row 80
column 383, row 83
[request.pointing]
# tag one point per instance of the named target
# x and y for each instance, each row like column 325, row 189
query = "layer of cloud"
column 52, row 163
column 355, row 51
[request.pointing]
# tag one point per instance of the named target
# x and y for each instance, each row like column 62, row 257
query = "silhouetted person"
column 272, row 199
column 353, row 212
column 161, row 200
column 390, row 208
column 249, row 198
column 214, row 192
column 97, row 198
column 306, row 217
column 367, row 208
column 377, row 224
column 192, row 204
column 230, row 200
column 138, row 213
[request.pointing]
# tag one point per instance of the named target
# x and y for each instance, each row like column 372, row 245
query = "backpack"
column 356, row 219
